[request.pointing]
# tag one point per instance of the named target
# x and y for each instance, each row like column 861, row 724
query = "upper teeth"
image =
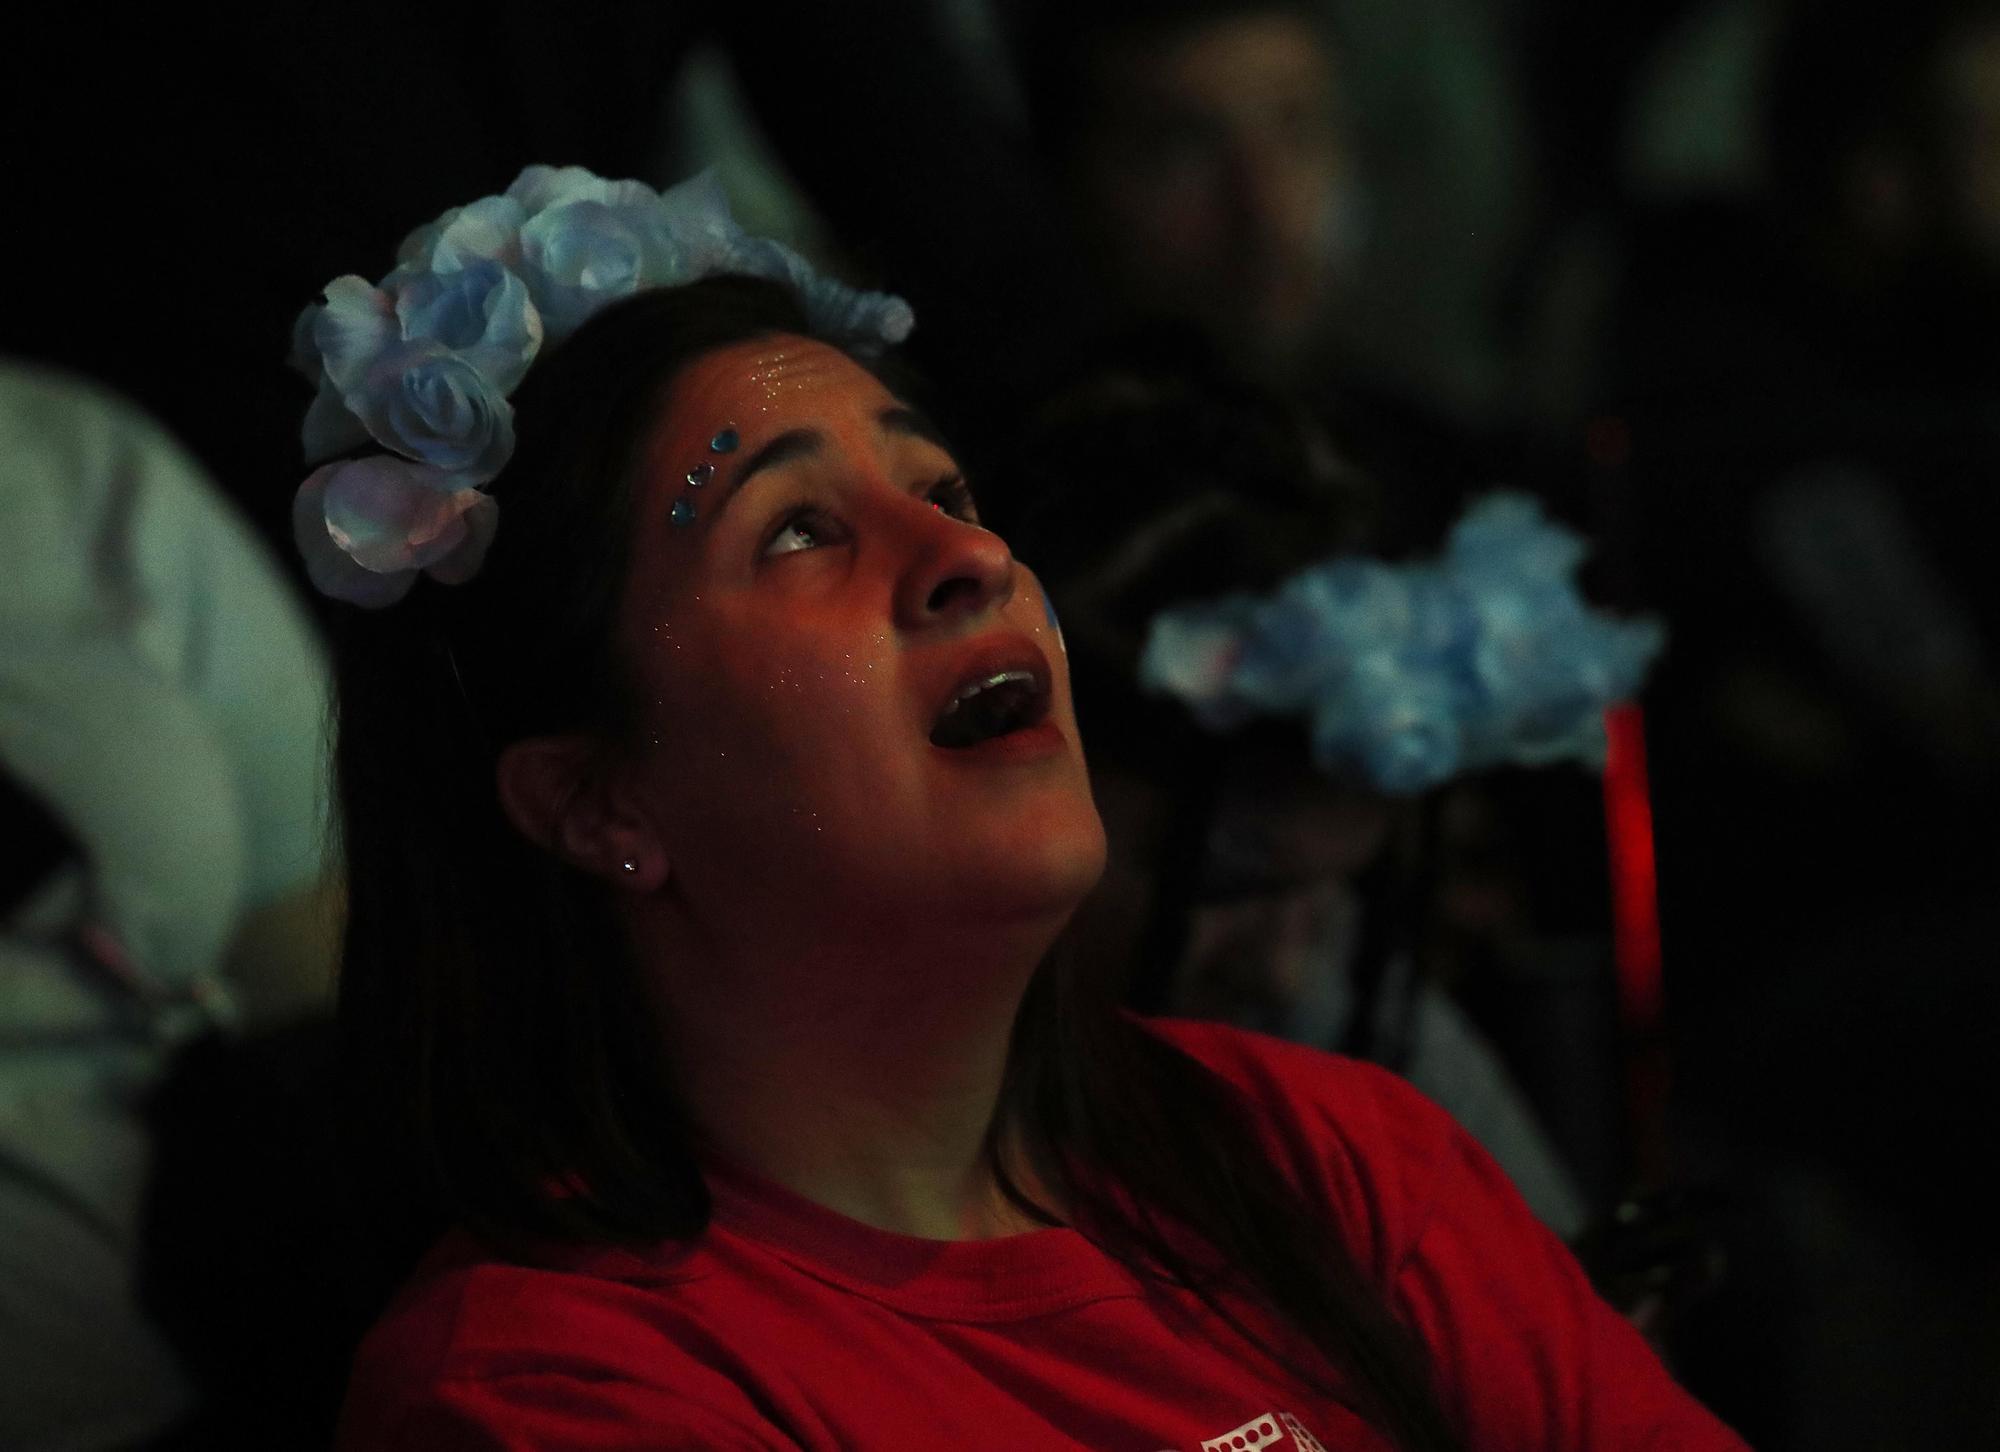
column 1004, row 678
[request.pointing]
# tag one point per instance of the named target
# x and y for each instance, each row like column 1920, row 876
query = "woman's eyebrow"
column 787, row 446
column 900, row 418
column 805, row 442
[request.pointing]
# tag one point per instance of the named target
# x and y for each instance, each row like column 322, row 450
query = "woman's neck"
column 869, row 1087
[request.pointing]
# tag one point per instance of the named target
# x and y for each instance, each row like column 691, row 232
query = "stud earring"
column 629, row 865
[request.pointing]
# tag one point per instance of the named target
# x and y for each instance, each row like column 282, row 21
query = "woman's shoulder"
column 1347, row 1097
column 475, row 1339
column 1356, row 1137
column 1526, row 1352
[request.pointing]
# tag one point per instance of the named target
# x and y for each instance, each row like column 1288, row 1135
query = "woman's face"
column 797, row 644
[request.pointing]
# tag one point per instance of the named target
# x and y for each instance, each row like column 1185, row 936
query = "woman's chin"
column 1045, row 873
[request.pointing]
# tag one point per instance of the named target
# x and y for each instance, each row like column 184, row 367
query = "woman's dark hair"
column 496, row 1027
column 486, row 998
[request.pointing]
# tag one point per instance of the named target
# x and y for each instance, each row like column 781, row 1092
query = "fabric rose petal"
column 539, row 188
column 352, row 329
column 482, row 312
column 368, row 526
column 330, row 428
column 578, row 257
column 696, row 214
column 875, row 318
column 1399, row 729
column 1196, row 657
column 488, row 230
column 435, row 406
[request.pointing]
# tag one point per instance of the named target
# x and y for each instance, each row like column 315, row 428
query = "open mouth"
column 992, row 705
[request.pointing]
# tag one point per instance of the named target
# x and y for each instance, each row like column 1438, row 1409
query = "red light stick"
column 1635, row 915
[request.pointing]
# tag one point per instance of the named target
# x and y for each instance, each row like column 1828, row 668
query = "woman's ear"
column 557, row 793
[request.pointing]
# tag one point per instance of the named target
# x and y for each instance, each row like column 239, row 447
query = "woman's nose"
column 959, row 570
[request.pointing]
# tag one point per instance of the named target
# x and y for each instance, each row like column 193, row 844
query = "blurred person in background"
column 165, row 872
column 1327, row 197
column 1201, row 150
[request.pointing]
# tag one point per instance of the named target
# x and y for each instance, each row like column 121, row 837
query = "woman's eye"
column 812, row 528
column 805, row 530
column 953, row 496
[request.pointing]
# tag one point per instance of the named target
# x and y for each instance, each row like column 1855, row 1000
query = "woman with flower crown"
column 713, row 807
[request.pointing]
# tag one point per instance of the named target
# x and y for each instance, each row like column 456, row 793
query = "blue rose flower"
column 1289, row 652
column 367, row 527
column 1504, row 540
column 696, row 213
column 1585, row 664
column 1308, row 634
column 871, row 319
column 1193, row 655
column 336, row 342
column 330, row 428
column 1443, row 625
column 539, row 188
column 304, row 353
column 482, row 313
column 429, row 404
column 1360, row 603
column 354, row 327
column 578, row 257
column 1396, row 728
column 488, row 230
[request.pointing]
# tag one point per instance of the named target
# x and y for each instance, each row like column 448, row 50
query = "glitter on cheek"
column 858, row 676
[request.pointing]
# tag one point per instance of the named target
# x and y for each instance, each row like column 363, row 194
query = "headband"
column 1409, row 674
column 416, row 371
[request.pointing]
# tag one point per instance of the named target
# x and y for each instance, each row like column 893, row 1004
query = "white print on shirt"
column 1263, row 1431
column 1301, row 1438
column 1258, row 1432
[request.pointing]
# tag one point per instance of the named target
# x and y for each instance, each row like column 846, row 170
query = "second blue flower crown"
column 1407, row 675
column 422, row 363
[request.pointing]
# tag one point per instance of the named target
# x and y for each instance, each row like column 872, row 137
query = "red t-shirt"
column 788, row 1326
